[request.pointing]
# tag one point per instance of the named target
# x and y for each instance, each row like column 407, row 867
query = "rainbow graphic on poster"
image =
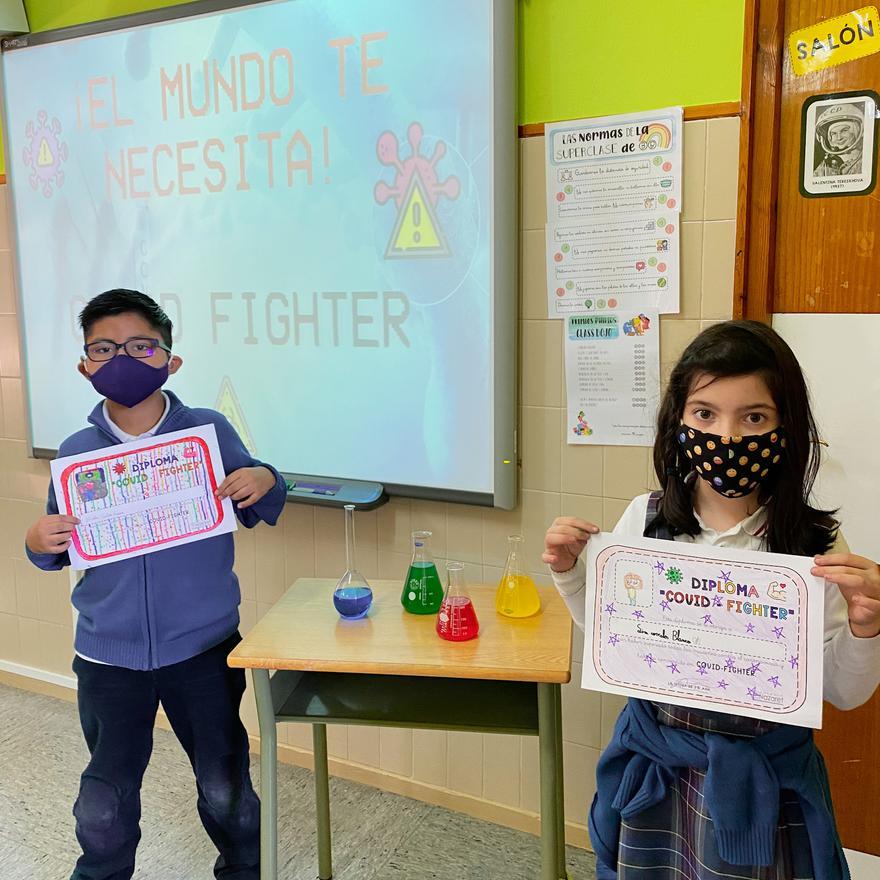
column 657, row 137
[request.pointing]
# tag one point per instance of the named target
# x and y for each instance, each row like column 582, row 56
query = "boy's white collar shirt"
column 127, row 438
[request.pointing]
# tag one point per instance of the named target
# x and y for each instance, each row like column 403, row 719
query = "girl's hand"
column 565, row 541
column 246, row 485
column 858, row 579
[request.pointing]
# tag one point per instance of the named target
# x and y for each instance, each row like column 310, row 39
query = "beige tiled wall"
column 594, row 482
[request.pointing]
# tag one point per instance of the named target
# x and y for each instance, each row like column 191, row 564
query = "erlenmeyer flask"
column 352, row 596
column 457, row 620
column 517, row 595
column 422, row 590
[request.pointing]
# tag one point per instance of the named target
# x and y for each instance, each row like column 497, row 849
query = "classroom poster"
column 612, row 377
column 614, row 164
column 143, row 496
column 614, row 261
column 731, row 631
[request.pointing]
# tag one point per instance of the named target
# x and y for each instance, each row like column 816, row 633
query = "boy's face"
column 119, row 329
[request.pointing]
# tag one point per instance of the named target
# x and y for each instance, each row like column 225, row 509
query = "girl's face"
column 733, row 406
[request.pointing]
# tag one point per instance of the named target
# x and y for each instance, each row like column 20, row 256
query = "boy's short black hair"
column 120, row 300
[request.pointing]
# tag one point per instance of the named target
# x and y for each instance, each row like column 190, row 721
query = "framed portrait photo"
column 839, row 144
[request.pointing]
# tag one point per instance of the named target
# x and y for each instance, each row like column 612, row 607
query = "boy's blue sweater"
column 743, row 782
column 167, row 606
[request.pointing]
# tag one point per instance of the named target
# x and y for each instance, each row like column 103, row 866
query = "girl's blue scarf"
column 744, row 778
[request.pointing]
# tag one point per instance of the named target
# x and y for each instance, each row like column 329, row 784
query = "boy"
column 157, row 628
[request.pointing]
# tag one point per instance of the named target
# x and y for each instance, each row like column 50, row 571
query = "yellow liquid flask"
column 517, row 595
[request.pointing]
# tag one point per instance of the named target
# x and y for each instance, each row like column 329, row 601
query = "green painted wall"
column 45, row 15
column 595, row 57
column 576, row 57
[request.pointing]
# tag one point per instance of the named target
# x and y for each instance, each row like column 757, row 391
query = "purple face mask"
column 128, row 380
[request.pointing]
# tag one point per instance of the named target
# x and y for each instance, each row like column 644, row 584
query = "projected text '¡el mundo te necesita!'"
column 240, row 84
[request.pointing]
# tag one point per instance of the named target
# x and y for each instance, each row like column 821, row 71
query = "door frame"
column 763, row 52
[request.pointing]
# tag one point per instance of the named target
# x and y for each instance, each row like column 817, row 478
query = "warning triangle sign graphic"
column 227, row 404
column 44, row 156
column 417, row 232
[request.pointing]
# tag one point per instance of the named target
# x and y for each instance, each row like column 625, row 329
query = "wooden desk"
column 391, row 669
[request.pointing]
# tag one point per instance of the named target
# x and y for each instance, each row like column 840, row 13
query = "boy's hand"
column 246, row 485
column 565, row 541
column 51, row 533
column 858, row 579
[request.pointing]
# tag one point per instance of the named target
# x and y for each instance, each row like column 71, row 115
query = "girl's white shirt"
column 852, row 665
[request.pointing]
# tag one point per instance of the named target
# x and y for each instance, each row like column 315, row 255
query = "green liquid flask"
column 422, row 589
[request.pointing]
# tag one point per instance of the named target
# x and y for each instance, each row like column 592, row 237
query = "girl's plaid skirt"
column 675, row 839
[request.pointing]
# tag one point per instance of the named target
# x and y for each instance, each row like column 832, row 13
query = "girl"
column 657, row 816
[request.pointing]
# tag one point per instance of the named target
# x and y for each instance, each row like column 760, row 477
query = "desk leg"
column 322, row 801
column 268, row 776
column 560, row 789
column 552, row 813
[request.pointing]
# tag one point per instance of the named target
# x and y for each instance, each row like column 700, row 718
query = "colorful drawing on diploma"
column 143, row 496
column 732, row 642
column 633, row 584
column 91, row 484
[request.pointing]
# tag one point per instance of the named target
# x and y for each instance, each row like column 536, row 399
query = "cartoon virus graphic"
column 119, row 468
column 45, row 153
column 674, row 575
column 416, row 191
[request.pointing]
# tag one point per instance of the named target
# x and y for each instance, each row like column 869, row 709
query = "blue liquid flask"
column 352, row 597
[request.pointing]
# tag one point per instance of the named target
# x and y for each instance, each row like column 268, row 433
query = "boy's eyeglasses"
column 136, row 347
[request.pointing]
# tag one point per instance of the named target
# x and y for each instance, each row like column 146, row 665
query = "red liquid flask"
column 457, row 620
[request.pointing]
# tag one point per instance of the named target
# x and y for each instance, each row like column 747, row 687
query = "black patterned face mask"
column 733, row 466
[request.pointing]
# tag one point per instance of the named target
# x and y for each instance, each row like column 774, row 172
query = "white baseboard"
column 863, row 866
column 65, row 681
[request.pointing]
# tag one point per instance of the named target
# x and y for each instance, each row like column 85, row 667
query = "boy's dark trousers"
column 117, row 708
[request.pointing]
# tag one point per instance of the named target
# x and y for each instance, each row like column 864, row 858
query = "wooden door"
column 800, row 253
column 828, row 248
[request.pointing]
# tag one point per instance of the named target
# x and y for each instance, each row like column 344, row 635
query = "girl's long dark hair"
column 740, row 348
